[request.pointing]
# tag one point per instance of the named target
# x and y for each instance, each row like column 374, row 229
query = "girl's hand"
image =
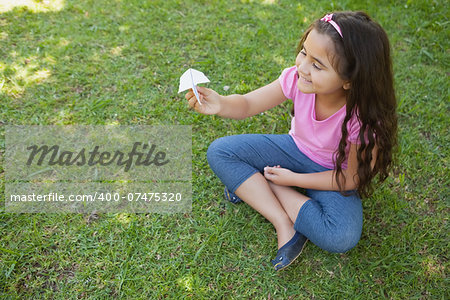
column 280, row 176
column 210, row 101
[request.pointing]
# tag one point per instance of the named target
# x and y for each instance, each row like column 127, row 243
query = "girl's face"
column 315, row 71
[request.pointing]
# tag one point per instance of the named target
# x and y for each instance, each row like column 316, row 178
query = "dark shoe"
column 229, row 196
column 289, row 251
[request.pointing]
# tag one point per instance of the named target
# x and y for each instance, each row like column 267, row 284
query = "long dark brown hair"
column 363, row 57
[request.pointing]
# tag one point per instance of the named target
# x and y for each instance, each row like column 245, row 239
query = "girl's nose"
column 302, row 68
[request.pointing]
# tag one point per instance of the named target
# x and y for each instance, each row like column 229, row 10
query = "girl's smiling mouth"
column 303, row 79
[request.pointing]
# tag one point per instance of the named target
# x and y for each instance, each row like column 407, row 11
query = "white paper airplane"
column 190, row 79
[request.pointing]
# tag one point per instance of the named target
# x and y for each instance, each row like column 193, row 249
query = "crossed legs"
column 330, row 220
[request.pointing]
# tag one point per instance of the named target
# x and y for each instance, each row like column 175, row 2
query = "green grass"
column 118, row 62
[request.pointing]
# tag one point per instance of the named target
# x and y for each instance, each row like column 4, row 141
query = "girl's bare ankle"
column 284, row 234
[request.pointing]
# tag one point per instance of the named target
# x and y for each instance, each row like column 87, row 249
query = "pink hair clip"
column 329, row 19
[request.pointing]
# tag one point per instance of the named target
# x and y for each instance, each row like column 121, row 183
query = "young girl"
column 342, row 135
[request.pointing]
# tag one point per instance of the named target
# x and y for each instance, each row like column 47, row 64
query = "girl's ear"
column 346, row 85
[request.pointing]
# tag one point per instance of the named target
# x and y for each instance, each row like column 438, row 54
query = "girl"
column 342, row 135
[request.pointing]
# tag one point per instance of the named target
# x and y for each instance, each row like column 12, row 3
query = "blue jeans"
column 330, row 220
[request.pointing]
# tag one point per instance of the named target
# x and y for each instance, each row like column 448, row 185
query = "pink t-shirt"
column 316, row 139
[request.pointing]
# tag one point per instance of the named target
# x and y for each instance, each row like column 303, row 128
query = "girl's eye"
column 303, row 52
column 316, row 66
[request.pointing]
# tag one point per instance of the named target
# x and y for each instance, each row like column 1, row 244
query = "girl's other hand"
column 210, row 101
column 279, row 175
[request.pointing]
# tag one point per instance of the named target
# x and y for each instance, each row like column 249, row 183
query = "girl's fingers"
column 268, row 170
column 191, row 103
column 190, row 95
column 192, row 99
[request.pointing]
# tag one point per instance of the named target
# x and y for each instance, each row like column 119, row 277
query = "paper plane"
column 190, row 79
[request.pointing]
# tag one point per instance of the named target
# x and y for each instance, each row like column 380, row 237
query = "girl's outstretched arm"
column 319, row 181
column 237, row 106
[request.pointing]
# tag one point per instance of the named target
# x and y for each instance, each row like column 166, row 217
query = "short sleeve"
column 288, row 81
column 353, row 130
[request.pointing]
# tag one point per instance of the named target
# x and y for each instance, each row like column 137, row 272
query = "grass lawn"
column 118, row 62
